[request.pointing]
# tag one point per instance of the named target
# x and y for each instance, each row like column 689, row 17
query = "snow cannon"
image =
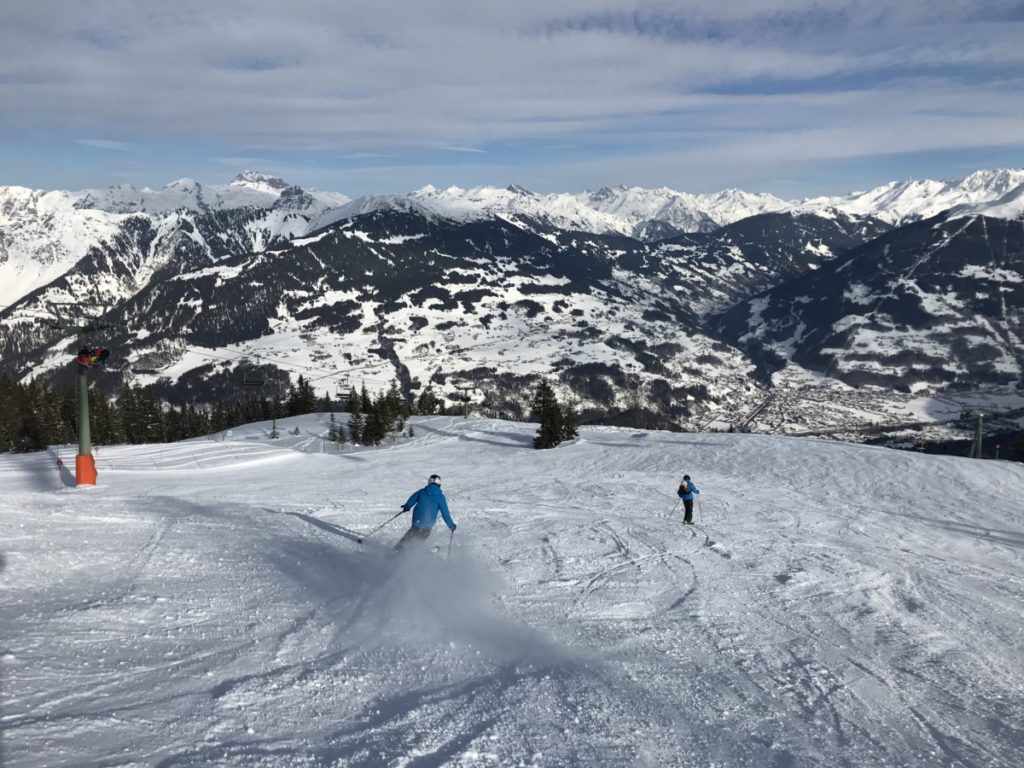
column 89, row 358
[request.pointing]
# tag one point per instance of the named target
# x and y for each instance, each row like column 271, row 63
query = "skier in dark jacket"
column 425, row 504
column 687, row 490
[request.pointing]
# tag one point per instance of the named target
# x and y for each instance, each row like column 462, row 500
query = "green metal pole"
column 84, row 436
column 85, row 465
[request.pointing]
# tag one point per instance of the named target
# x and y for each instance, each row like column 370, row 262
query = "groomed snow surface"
column 208, row 604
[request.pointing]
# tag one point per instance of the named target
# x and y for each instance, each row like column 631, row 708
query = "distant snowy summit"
column 662, row 212
column 250, row 189
column 629, row 211
column 998, row 193
column 260, row 182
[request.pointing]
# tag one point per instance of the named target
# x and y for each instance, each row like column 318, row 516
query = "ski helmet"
column 434, row 480
column 686, row 477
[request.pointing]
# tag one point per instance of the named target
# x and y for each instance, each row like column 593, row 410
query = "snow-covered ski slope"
column 208, row 605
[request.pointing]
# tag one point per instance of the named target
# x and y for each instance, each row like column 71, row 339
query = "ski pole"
column 450, row 540
column 672, row 513
column 362, row 538
column 701, row 511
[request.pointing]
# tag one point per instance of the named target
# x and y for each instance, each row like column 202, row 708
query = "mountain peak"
column 606, row 192
column 259, row 181
column 182, row 183
column 998, row 181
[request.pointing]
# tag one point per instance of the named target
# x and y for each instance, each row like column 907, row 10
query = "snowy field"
column 208, row 604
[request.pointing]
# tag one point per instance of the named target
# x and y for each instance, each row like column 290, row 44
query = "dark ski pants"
column 688, row 506
column 413, row 535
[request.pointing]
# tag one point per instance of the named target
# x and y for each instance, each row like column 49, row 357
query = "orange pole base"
column 85, row 470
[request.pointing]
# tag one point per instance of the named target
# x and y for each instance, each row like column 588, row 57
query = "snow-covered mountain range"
column 43, row 234
column 633, row 211
column 249, row 189
column 618, row 294
column 998, row 193
column 651, row 214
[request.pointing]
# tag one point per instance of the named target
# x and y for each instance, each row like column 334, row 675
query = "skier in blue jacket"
column 425, row 504
column 687, row 490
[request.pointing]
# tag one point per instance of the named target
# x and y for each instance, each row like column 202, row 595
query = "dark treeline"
column 36, row 415
column 371, row 419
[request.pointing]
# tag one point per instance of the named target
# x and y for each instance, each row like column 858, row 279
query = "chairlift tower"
column 979, row 433
column 343, row 388
column 464, row 390
column 250, row 380
column 84, row 318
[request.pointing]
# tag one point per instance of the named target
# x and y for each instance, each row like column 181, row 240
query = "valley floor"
column 208, row 604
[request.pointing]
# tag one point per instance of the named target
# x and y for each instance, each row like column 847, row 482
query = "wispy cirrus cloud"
column 663, row 83
column 115, row 146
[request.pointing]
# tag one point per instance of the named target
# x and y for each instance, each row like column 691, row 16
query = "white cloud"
column 365, row 80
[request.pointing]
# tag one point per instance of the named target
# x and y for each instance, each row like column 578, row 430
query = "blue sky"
column 795, row 97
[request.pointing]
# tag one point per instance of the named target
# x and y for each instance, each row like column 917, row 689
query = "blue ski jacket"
column 687, row 489
column 425, row 504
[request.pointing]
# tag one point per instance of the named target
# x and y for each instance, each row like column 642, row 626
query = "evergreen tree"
column 547, row 410
column 569, row 426
column 353, row 401
column 356, row 420
column 128, row 407
column 308, row 400
column 336, row 432
column 69, row 415
column 8, row 395
column 1018, row 451
column 375, row 428
column 29, row 434
column 198, row 422
column 301, row 398
column 277, row 412
column 427, row 403
column 394, row 408
column 152, row 418
column 44, row 401
column 174, row 425
column 219, row 417
column 106, row 426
